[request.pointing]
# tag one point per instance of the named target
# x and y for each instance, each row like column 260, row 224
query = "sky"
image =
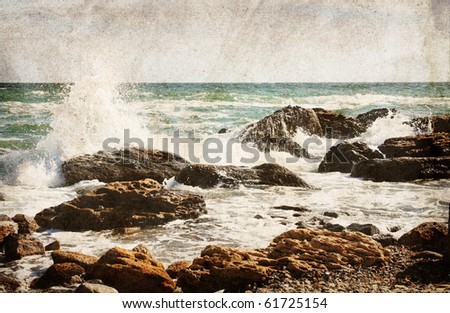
column 225, row 41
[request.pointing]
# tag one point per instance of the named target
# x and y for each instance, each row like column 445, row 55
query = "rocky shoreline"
column 318, row 256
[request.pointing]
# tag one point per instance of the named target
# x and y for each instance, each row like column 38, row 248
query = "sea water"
column 42, row 125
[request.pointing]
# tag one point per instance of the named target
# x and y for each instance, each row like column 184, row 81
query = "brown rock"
column 224, row 268
column 368, row 229
column 7, row 227
column 426, row 145
column 2, row 197
column 27, row 225
column 175, row 268
column 403, row 169
column 208, row 176
column 8, row 284
column 19, row 246
column 129, row 271
column 83, row 260
column 123, row 165
column 143, row 248
column 331, row 214
column 427, row 236
column 297, row 252
column 342, row 157
column 140, row 203
column 55, row 245
column 61, row 274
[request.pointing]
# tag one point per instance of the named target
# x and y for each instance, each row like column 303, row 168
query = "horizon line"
column 237, row 82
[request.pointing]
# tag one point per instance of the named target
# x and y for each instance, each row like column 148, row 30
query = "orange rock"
column 130, row 271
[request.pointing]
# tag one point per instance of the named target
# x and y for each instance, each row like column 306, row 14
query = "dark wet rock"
column 436, row 124
column 61, row 274
column 275, row 132
column 335, row 125
column 130, row 271
column 140, row 203
column 368, row 229
column 331, row 214
column 18, row 246
column 297, row 252
column 342, row 157
column 175, row 268
column 8, row 284
column 123, row 165
column 94, row 288
column 258, row 217
column 385, row 239
column 402, row 169
column 222, row 131
column 427, row 236
column 7, row 227
column 27, row 224
column 83, row 260
column 368, row 118
column 425, row 145
column 208, row 176
column 300, row 209
column 441, row 123
column 55, row 245
column 2, row 196
column 394, row 229
column 333, row 227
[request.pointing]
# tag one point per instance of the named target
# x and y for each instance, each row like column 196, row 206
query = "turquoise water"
column 26, row 109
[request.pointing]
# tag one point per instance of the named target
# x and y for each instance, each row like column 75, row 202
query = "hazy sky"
column 225, row 41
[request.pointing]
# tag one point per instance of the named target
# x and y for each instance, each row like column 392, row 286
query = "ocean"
column 42, row 125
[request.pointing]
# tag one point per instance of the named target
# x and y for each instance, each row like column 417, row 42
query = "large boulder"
column 18, row 246
column 402, row 169
column 61, row 274
column 208, row 176
column 141, row 203
column 83, row 260
column 298, row 252
column 123, row 165
column 275, row 132
column 342, row 157
column 131, row 271
column 425, row 145
column 427, row 236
